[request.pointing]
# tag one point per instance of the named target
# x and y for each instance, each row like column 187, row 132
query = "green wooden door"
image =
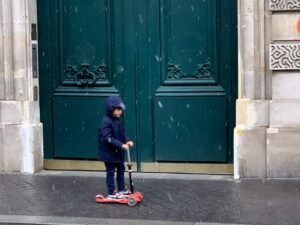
column 172, row 61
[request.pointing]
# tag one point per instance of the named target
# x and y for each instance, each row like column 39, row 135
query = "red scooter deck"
column 131, row 199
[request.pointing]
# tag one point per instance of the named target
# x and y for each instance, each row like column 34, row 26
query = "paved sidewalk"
column 69, row 198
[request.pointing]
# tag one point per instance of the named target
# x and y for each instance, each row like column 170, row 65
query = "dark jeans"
column 110, row 175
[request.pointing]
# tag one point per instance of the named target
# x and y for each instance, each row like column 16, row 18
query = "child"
column 112, row 144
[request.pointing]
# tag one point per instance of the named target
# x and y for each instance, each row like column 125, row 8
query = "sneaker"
column 115, row 196
column 124, row 192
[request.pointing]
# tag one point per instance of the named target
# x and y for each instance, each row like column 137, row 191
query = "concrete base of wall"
column 21, row 137
column 252, row 113
column 283, row 152
column 21, row 148
column 250, row 152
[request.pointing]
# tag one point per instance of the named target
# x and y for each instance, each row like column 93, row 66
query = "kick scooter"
column 132, row 199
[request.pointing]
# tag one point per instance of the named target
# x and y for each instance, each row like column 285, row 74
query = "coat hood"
column 113, row 102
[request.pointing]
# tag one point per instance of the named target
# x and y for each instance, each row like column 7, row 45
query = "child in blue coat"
column 112, row 144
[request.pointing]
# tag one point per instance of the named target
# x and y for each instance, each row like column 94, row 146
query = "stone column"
column 283, row 136
column 252, row 107
column 21, row 148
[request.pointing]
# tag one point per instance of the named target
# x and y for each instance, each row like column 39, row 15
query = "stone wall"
column 267, row 141
column 283, row 136
column 20, row 127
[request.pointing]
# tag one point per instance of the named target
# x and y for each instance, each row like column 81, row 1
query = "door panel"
column 190, row 129
column 85, row 42
column 188, row 34
column 76, row 120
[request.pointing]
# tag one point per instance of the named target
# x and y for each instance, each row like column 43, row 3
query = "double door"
column 173, row 62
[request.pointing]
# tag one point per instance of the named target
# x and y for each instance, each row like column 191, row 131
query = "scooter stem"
column 129, row 165
column 128, row 157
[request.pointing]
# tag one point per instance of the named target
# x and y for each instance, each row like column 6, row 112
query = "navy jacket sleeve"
column 106, row 130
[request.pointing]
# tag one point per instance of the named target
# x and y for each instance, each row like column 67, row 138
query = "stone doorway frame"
column 256, row 134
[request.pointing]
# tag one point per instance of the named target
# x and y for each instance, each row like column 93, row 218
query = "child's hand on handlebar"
column 125, row 147
column 130, row 144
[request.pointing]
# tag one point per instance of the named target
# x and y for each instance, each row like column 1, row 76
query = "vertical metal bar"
column 129, row 165
column 128, row 157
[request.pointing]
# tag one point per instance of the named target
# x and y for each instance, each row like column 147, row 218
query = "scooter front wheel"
column 132, row 201
column 139, row 195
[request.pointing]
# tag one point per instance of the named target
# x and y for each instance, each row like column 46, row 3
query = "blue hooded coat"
column 111, row 134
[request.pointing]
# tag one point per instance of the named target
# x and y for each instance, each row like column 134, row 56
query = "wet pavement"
column 175, row 199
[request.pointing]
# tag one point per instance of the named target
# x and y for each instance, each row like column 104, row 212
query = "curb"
column 56, row 220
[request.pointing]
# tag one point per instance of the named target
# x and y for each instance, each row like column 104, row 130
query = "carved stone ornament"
column 203, row 71
column 279, row 5
column 285, row 57
column 84, row 76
